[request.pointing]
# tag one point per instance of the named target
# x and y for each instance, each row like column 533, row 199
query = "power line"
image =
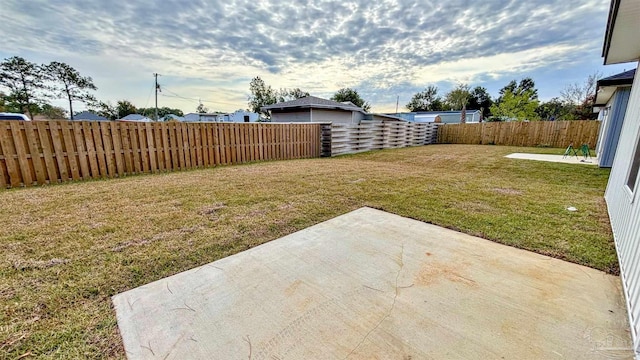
column 194, row 99
column 179, row 97
column 147, row 104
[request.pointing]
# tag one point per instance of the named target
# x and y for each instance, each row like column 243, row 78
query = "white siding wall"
column 624, row 210
column 604, row 120
column 319, row 115
column 238, row 116
column 299, row 116
column 335, row 116
column 612, row 125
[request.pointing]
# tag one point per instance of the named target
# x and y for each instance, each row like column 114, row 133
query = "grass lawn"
column 65, row 249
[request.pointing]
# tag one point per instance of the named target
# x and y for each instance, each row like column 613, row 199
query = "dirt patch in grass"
column 157, row 237
column 37, row 264
column 211, row 212
column 66, row 249
column 507, row 191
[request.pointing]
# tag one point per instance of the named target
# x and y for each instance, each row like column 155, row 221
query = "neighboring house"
column 622, row 44
column 612, row 96
column 315, row 109
column 237, row 116
column 201, row 117
column 88, row 116
column 241, row 116
column 172, row 117
column 382, row 117
column 136, row 118
column 446, row 117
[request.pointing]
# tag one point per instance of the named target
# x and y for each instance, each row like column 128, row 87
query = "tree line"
column 123, row 108
column 516, row 100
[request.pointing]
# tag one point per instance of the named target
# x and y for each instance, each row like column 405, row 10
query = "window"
column 632, row 180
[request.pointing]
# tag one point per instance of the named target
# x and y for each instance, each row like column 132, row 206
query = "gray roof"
column 313, row 102
column 370, row 116
column 88, row 115
column 624, row 78
column 136, row 117
column 174, row 117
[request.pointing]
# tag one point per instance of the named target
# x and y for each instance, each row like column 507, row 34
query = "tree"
column 201, row 109
column 8, row 104
column 290, row 94
column 162, row 111
column 52, row 112
column 582, row 96
column 69, row 84
column 427, row 100
column 347, row 94
column 105, row 109
column 458, row 97
column 481, row 100
column 124, row 108
column 261, row 95
column 526, row 85
column 516, row 106
column 555, row 109
column 24, row 80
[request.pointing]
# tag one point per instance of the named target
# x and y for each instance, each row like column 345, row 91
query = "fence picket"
column 81, row 150
column 21, row 152
column 107, row 144
column 100, row 154
column 91, row 150
column 159, row 153
column 36, row 160
column 176, row 153
column 59, row 151
column 184, row 144
column 144, row 145
column 166, row 152
column 117, row 148
column 70, row 150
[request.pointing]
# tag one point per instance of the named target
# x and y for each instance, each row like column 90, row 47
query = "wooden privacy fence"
column 557, row 134
column 339, row 139
column 47, row 152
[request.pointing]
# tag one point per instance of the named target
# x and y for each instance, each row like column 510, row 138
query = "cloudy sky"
column 211, row 49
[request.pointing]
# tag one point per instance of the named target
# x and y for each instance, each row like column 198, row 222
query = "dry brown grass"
column 67, row 248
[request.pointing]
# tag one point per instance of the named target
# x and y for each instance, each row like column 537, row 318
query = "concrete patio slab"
column 373, row 285
column 554, row 158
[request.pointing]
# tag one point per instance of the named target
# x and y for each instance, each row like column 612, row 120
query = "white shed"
column 622, row 44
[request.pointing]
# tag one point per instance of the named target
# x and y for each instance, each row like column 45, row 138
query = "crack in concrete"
column 248, row 341
column 393, row 305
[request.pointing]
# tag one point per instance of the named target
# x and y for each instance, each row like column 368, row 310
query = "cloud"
column 319, row 46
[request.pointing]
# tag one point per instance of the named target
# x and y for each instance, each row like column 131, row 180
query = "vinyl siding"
column 335, row 116
column 296, row 116
column 624, row 210
column 612, row 126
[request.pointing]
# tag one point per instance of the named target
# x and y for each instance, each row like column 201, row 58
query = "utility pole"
column 397, row 101
column 155, row 75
